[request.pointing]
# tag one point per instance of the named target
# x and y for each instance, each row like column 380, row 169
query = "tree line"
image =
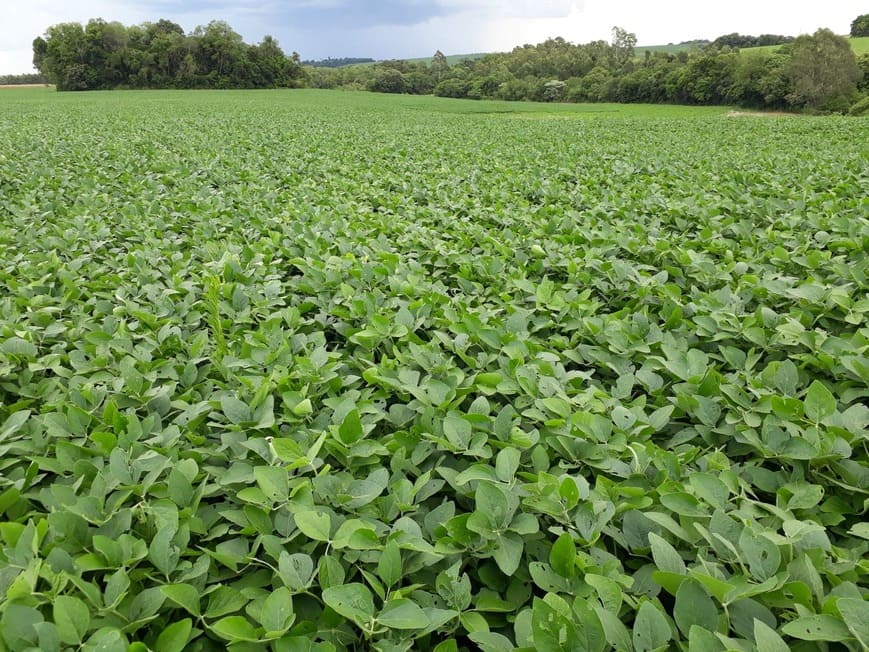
column 818, row 72
column 108, row 55
column 26, row 78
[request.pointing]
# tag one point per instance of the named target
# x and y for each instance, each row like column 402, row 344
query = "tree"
column 440, row 67
column 860, row 26
column 219, row 49
column 62, row 56
column 822, row 68
column 623, row 45
column 554, row 90
column 388, row 80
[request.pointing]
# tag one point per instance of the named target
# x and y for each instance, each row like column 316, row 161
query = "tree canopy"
column 860, row 26
column 103, row 55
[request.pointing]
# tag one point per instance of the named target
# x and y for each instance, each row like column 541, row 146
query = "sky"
column 384, row 29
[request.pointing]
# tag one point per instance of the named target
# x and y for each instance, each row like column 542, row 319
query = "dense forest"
column 818, row 72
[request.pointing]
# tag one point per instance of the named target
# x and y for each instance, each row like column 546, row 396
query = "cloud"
column 413, row 28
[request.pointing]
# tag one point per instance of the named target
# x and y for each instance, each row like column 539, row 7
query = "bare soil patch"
column 760, row 114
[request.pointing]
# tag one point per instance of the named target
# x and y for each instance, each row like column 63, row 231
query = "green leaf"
column 666, row 557
column 822, row 627
column 508, row 552
column 235, row 628
column 820, row 402
column 295, row 570
column 353, row 601
column 767, row 639
column 506, row 464
column 19, row 347
column 273, row 481
column 106, row 639
column 491, row 642
column 277, row 611
column 184, row 595
column 651, row 629
column 174, row 638
column 614, row 629
column 72, row 618
column 402, row 613
column 14, row 423
column 763, row 555
column 457, row 431
column 389, row 564
column 562, row 557
column 350, row 430
column 314, row 525
column 855, row 613
column 235, row 410
column 495, row 504
column 694, row 607
column 18, row 625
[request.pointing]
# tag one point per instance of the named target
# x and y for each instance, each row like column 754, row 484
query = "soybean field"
column 323, row 371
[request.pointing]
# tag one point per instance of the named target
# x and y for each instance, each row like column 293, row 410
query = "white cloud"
column 460, row 26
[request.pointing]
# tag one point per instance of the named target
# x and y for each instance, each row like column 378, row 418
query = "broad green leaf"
column 768, row 639
column 351, row 428
column 508, row 552
column 457, row 431
column 819, row 402
column 855, row 613
column 174, row 638
column 762, row 554
column 353, row 601
column 184, row 595
column 277, row 611
column 822, row 627
column 402, row 613
column 694, row 607
column 14, row 423
column 72, row 618
column 19, row 347
column 665, row 555
column 389, row 565
column 235, row 628
column 273, row 481
column 563, row 555
column 651, row 629
column 235, row 410
column 314, row 525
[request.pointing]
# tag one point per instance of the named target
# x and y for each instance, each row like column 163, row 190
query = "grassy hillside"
column 860, row 46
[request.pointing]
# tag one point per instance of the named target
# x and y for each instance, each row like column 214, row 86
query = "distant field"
column 860, row 45
column 452, row 59
column 669, row 49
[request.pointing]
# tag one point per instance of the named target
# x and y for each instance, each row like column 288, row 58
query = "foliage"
column 744, row 41
column 25, row 79
column 860, row 108
column 860, row 26
column 717, row 73
column 823, row 68
column 320, row 371
column 105, row 55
